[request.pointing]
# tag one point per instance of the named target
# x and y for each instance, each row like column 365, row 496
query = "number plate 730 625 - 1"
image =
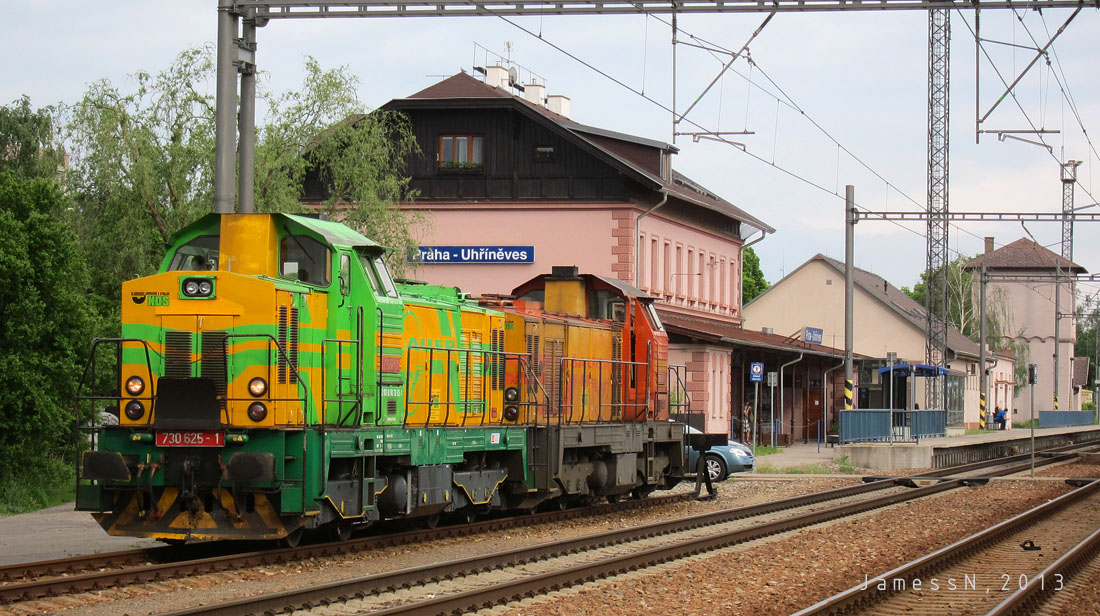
column 190, row 438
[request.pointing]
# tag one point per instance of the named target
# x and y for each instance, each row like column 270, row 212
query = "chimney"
column 767, row 330
column 558, row 104
column 535, row 93
column 497, row 76
column 988, row 244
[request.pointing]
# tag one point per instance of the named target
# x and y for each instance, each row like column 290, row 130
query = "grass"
column 766, row 450
column 36, row 484
column 1025, row 424
column 842, row 466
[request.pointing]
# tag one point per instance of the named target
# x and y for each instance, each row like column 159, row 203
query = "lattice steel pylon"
column 1069, row 178
column 939, row 66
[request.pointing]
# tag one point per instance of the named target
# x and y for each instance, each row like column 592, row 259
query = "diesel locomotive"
column 272, row 378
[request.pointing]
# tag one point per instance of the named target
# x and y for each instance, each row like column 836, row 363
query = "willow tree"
column 142, row 161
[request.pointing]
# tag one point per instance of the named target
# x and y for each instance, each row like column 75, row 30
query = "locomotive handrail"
column 488, row 358
column 91, row 361
column 570, row 362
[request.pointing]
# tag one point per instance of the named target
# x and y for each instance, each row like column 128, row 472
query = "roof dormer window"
column 460, row 151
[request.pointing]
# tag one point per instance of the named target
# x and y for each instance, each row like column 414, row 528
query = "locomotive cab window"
column 304, row 259
column 198, row 255
column 379, row 276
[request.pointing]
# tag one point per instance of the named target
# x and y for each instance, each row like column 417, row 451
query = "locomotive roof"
column 624, row 288
column 334, row 233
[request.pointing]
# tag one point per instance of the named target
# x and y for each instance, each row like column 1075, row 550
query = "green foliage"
column 1088, row 326
column 142, row 167
column 36, row 483
column 27, row 140
column 1088, row 406
column 1024, row 425
column 752, row 277
column 323, row 132
column 48, row 321
column 964, row 313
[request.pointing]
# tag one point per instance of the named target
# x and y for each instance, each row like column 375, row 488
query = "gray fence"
column 1063, row 419
column 891, row 426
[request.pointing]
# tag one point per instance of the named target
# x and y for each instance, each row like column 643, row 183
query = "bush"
column 35, row 484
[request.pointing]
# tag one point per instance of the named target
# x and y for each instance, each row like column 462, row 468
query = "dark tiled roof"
column 1080, row 371
column 468, row 88
column 893, row 297
column 1024, row 253
column 717, row 331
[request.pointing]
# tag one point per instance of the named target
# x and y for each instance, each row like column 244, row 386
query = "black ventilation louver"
column 177, row 354
column 213, row 365
column 288, row 340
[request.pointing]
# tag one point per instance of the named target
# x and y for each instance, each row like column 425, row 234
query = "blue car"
column 721, row 460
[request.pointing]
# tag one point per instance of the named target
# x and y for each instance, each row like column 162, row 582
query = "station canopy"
column 906, row 370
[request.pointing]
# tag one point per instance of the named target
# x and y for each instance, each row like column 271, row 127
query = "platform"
column 950, row 451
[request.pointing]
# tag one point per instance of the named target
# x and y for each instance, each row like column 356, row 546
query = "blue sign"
column 435, row 255
column 756, row 372
column 812, row 335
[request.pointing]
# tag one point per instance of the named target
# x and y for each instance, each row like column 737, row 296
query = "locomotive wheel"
column 431, row 521
column 340, row 530
column 293, row 539
column 469, row 515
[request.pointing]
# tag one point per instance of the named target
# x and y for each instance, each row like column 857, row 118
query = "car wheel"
column 716, row 468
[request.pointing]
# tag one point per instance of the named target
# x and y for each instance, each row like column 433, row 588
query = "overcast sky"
column 860, row 76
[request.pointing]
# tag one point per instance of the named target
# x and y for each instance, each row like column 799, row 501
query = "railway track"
column 66, row 576
column 473, row 583
column 27, row 581
column 1005, row 569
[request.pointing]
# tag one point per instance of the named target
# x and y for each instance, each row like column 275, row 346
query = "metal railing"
column 891, row 426
column 1065, row 419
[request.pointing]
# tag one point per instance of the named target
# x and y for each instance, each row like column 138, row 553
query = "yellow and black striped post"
column 981, row 411
column 1056, row 401
column 847, row 395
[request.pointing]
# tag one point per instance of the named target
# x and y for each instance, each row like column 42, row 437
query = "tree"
column 48, row 322
column 752, row 277
column 963, row 313
column 323, row 135
column 143, row 161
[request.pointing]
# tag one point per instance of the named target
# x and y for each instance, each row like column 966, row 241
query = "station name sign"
column 473, row 254
column 813, row 335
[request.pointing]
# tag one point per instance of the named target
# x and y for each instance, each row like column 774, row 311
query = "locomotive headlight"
column 134, row 385
column 198, row 287
column 511, row 412
column 511, row 394
column 257, row 387
column 257, row 411
column 134, row 410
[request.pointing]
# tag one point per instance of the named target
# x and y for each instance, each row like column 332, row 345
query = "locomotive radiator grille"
column 497, row 366
column 288, row 341
column 177, row 354
column 616, row 373
column 213, row 359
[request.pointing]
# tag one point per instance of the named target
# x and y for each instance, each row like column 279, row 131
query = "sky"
column 830, row 99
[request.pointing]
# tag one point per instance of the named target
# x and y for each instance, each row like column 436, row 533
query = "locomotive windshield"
column 305, row 259
column 379, row 276
column 198, row 255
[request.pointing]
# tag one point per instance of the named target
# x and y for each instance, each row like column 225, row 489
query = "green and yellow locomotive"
column 273, row 379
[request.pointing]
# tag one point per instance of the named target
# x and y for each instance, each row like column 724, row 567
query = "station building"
column 886, row 321
column 511, row 186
